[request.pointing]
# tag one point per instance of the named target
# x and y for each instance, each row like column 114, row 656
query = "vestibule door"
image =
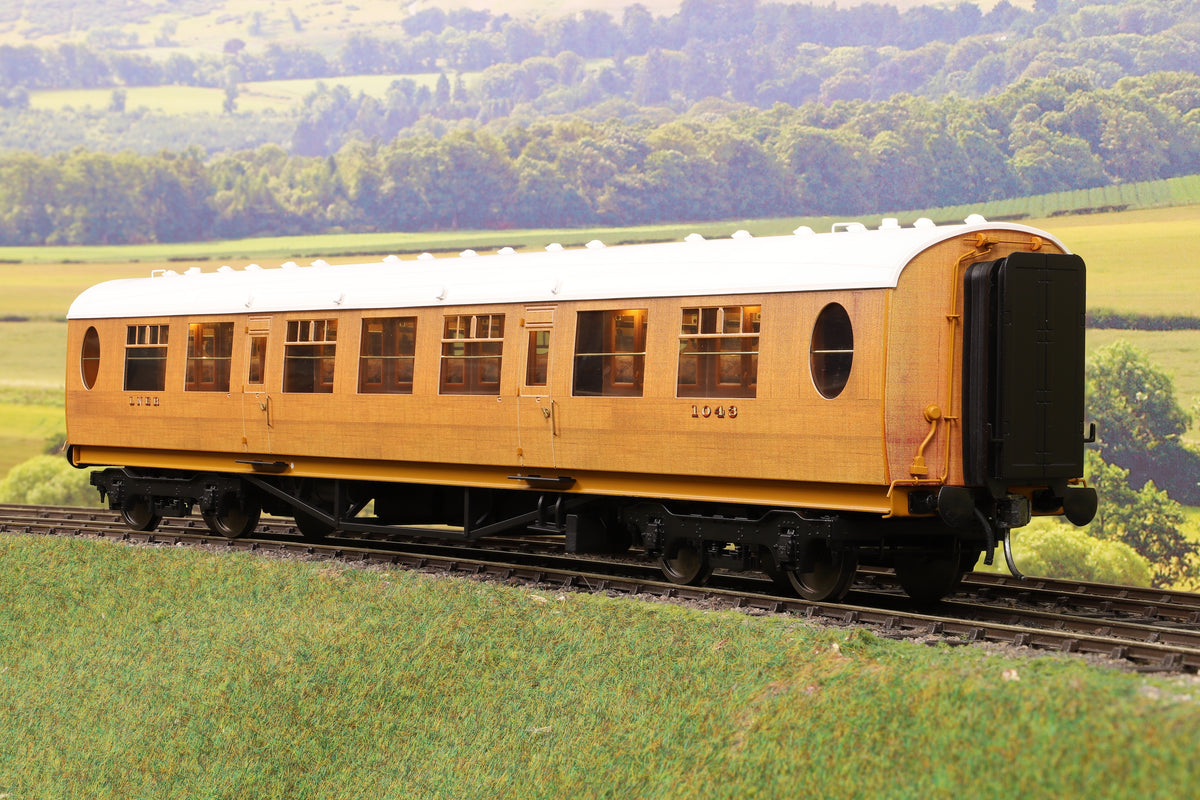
column 256, row 398
column 537, row 412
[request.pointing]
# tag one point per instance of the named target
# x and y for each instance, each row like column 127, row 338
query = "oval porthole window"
column 89, row 358
column 831, row 353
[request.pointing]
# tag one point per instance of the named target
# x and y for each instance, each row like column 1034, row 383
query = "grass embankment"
column 175, row 673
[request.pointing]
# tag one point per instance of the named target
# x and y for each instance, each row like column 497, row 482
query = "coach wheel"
column 139, row 515
column 827, row 575
column 928, row 577
column 312, row 528
column 235, row 522
column 688, row 566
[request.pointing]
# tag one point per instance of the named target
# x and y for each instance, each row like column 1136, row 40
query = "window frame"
column 537, row 360
column 209, row 371
column 472, row 359
column 610, row 353
column 310, row 356
column 146, row 350
column 392, row 369
column 705, row 354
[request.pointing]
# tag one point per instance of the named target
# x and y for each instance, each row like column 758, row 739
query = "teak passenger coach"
column 792, row 404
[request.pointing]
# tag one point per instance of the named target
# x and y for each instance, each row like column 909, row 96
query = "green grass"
column 175, row 673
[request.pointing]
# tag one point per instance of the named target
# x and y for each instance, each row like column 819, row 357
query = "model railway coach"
column 791, row 404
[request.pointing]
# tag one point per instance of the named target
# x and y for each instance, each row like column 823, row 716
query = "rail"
column 1132, row 627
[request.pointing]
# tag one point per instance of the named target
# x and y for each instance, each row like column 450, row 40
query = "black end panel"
column 978, row 360
column 1041, row 366
column 1023, row 401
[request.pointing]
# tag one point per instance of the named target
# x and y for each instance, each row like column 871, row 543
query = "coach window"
column 257, row 362
column 610, row 353
column 385, row 360
column 718, row 351
column 308, row 356
column 537, row 369
column 472, row 347
column 89, row 358
column 210, row 352
column 146, row 358
column 832, row 351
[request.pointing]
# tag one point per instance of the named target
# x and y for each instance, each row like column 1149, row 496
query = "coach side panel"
column 504, row 386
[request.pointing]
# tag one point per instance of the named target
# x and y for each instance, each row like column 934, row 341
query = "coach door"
column 256, row 400
column 537, row 412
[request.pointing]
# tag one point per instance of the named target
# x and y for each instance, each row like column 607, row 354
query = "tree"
column 1132, row 148
column 48, row 480
column 828, row 169
column 544, row 199
column 1060, row 551
column 1138, row 420
column 652, row 81
column 637, row 29
column 1055, row 162
column 1147, row 520
column 97, row 200
column 174, row 196
column 28, row 186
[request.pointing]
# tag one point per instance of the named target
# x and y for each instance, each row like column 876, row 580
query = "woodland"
column 725, row 109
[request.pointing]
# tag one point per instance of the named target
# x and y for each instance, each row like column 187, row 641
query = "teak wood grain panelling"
column 907, row 357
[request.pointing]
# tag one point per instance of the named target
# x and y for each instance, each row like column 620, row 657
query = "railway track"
column 1145, row 629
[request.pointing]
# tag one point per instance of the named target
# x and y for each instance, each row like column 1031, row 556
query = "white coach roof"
column 851, row 257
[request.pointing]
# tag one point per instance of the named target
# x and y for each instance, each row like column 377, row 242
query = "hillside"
column 206, row 25
column 473, row 119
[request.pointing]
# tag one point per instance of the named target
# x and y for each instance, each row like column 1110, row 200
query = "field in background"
column 326, row 24
column 32, row 360
column 257, row 96
column 1138, row 262
column 1179, row 191
column 347, row 246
